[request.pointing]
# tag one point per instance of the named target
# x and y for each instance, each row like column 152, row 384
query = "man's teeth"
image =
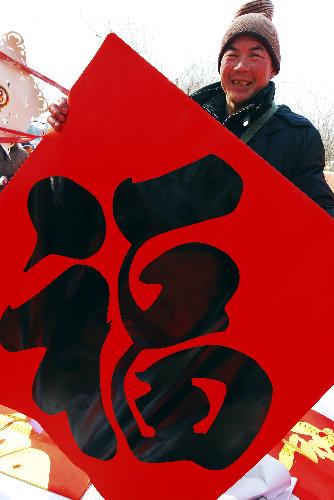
column 241, row 82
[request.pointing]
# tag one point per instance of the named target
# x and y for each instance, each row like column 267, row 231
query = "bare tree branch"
column 196, row 75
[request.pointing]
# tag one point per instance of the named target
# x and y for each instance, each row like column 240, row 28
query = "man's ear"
column 273, row 73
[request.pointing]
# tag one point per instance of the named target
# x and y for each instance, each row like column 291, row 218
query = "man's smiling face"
column 246, row 68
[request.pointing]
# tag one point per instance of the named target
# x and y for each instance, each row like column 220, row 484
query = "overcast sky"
column 60, row 37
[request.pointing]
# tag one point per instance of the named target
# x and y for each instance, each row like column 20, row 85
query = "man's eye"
column 256, row 55
column 231, row 56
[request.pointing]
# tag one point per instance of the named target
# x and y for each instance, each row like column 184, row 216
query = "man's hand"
column 58, row 113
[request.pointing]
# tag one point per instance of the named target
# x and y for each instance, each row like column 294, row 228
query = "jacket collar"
column 242, row 119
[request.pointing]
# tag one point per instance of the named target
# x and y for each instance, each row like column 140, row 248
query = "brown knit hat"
column 254, row 18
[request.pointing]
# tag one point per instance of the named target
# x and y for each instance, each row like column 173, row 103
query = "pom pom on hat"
column 264, row 7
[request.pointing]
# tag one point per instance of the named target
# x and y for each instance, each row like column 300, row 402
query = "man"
column 11, row 158
column 249, row 58
column 243, row 101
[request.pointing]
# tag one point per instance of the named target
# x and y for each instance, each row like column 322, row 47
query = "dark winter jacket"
column 287, row 141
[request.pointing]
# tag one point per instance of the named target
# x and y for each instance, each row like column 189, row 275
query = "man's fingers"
column 53, row 108
column 63, row 106
column 55, row 124
column 57, row 113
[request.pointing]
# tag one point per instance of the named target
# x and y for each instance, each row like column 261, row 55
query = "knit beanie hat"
column 254, row 19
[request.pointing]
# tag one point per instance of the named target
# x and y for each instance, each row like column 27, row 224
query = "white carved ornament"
column 21, row 100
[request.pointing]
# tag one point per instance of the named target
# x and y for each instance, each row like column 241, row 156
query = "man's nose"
column 242, row 64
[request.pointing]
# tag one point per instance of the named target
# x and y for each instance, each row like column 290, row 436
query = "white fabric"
column 269, row 478
column 326, row 404
column 92, row 494
column 14, row 489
